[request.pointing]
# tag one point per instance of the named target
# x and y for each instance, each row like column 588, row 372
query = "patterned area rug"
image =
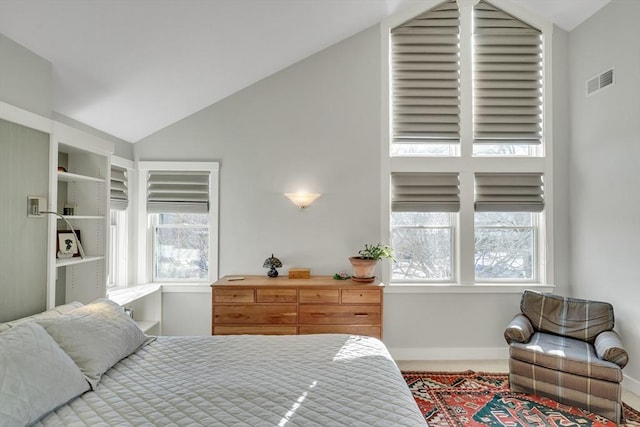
column 482, row 399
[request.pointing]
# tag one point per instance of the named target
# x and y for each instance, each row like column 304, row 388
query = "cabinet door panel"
column 317, row 296
column 265, row 314
column 340, row 315
column 233, row 295
column 276, row 295
column 361, row 296
column 371, row 331
column 254, row 329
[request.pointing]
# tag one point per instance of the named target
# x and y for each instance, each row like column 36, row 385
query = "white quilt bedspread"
column 307, row 380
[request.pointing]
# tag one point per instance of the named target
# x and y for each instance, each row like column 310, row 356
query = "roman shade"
column 425, row 68
column 507, row 78
column 178, row 192
column 119, row 194
column 425, row 192
column 509, row 192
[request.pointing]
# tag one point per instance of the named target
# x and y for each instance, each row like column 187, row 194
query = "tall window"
column 466, row 88
column 118, row 224
column 181, row 216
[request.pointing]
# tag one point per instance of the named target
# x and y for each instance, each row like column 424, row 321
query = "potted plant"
column 364, row 265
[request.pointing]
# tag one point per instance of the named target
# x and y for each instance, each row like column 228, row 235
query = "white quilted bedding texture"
column 307, row 380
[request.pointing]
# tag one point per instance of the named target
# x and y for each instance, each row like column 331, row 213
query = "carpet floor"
column 483, row 399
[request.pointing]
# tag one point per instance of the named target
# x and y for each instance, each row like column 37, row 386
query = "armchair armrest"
column 609, row 347
column 519, row 329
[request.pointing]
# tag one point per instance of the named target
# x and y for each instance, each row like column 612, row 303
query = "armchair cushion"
column 571, row 317
column 519, row 329
column 609, row 347
column 565, row 355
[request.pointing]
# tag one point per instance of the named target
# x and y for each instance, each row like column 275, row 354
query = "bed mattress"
column 307, row 380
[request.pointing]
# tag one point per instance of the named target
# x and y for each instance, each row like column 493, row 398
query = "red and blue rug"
column 482, row 399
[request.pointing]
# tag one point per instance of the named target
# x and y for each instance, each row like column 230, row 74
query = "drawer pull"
column 318, row 314
column 236, row 315
column 361, row 314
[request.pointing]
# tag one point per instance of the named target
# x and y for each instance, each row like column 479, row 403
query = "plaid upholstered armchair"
column 566, row 349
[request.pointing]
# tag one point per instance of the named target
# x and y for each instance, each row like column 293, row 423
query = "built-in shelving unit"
column 80, row 166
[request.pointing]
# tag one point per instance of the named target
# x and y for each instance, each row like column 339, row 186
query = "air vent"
column 599, row 82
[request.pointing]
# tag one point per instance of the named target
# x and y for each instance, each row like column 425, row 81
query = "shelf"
column 74, row 217
column 74, row 177
column 63, row 262
column 147, row 325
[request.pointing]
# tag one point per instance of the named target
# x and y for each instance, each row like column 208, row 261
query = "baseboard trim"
column 631, row 384
column 454, row 353
column 476, row 353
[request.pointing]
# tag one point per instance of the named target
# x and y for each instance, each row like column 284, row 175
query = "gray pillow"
column 36, row 376
column 96, row 336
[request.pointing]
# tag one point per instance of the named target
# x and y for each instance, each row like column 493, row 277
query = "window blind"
column 177, row 192
column 507, row 78
column 425, row 80
column 425, row 192
column 119, row 194
column 509, row 192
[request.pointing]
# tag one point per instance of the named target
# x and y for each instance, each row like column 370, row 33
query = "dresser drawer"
column 233, row 295
column 266, row 314
column 255, row 330
column 371, row 331
column 319, row 296
column 340, row 315
column 276, row 295
column 361, row 296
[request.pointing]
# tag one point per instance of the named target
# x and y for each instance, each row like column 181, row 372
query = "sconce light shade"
column 302, row 200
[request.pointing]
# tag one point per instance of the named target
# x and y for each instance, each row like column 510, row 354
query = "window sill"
column 124, row 296
column 190, row 287
column 488, row 288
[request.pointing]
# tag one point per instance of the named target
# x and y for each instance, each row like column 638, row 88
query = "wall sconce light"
column 35, row 206
column 302, row 200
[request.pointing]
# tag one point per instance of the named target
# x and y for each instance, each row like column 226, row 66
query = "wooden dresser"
column 283, row 306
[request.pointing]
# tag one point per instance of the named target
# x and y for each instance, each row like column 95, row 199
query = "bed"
column 91, row 365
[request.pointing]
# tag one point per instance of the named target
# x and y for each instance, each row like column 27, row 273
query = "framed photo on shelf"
column 66, row 245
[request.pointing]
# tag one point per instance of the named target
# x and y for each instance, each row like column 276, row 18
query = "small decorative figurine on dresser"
column 272, row 263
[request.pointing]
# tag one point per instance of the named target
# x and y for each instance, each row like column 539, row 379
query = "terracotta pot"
column 363, row 268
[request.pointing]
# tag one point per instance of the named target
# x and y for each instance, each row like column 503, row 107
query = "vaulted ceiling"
column 132, row 67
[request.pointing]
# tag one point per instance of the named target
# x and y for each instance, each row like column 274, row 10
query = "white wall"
column 317, row 125
column 25, row 78
column 605, row 169
column 25, row 82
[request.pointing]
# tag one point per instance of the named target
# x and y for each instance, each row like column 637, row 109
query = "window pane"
column 504, row 219
column 425, row 219
column 112, row 264
column 181, row 252
column 504, row 246
column 423, row 244
column 424, row 149
column 503, row 150
column 183, row 219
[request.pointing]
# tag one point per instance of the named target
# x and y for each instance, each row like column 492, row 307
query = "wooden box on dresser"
column 283, row 306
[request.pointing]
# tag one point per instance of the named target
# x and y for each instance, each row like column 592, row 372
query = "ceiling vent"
column 599, row 82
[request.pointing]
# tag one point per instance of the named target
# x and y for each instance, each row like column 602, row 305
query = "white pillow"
column 36, row 376
column 54, row 312
column 96, row 336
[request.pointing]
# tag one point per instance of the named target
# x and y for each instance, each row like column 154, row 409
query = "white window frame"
column 120, row 255
column 466, row 164
column 145, row 227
